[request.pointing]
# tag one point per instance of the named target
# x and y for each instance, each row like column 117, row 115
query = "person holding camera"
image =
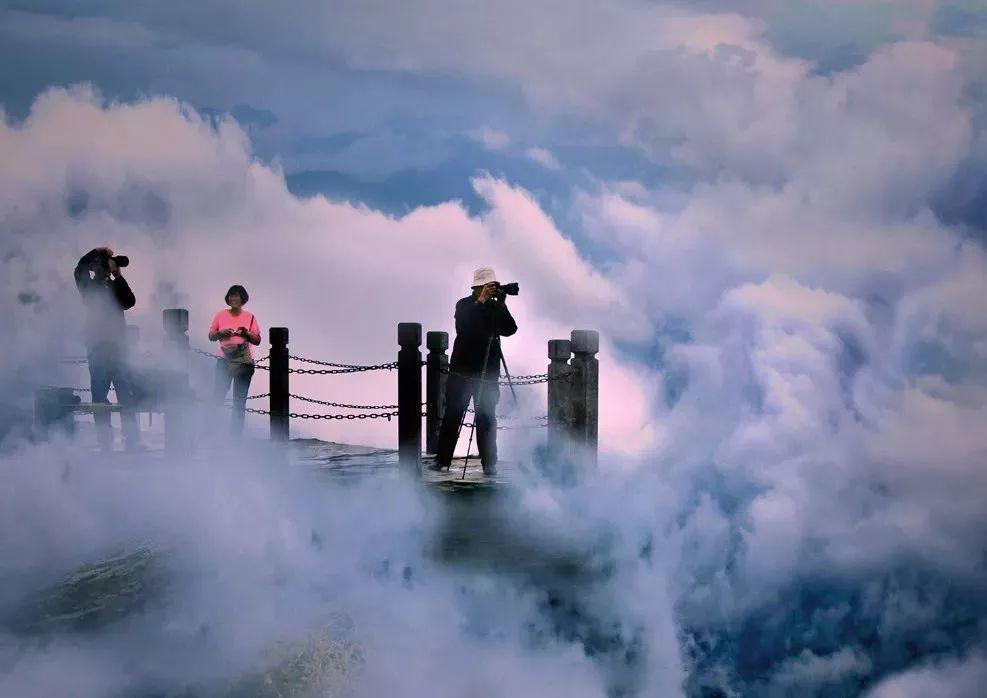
column 106, row 295
column 482, row 318
column 237, row 331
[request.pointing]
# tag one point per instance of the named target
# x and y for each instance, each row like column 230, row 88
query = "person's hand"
column 486, row 293
column 113, row 267
column 240, row 332
column 225, row 333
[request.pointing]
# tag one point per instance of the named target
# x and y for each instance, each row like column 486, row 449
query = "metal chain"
column 516, row 426
column 74, row 390
column 302, row 415
column 509, row 416
column 360, row 367
column 334, row 371
column 343, row 405
column 523, row 381
column 532, row 379
column 257, row 397
column 212, row 355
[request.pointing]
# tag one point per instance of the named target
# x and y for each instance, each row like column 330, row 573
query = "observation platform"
column 453, row 478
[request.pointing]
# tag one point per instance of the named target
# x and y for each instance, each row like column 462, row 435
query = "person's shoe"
column 490, row 470
column 438, row 466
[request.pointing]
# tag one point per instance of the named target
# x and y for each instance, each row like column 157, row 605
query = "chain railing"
column 537, row 423
column 74, row 390
column 342, row 404
column 331, row 364
column 336, row 368
column 531, row 379
column 305, row 415
column 584, row 346
column 335, row 371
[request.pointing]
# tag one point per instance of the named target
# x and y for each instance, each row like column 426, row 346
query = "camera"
column 504, row 290
column 101, row 265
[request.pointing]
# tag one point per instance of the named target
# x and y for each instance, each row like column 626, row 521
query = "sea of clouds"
column 790, row 496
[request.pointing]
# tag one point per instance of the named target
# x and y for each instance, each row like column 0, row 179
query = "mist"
column 789, row 499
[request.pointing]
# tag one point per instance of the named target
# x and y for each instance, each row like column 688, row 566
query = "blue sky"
column 368, row 102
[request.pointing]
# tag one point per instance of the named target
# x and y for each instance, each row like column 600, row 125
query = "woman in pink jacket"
column 237, row 332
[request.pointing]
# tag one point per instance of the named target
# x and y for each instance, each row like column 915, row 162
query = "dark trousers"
column 108, row 366
column 459, row 390
column 240, row 375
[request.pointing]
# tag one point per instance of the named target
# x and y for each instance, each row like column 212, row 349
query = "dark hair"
column 240, row 291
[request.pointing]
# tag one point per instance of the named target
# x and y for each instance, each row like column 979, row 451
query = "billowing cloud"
column 197, row 213
column 795, row 343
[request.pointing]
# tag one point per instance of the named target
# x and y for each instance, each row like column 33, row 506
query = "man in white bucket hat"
column 482, row 318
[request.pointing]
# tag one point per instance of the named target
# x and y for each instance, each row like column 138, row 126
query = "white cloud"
column 543, row 157
column 824, row 406
column 193, row 210
column 491, row 138
column 961, row 679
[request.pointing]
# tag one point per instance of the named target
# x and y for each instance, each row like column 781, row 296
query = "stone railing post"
column 279, row 386
column 436, row 372
column 175, row 388
column 410, row 395
column 559, row 400
column 585, row 386
column 53, row 410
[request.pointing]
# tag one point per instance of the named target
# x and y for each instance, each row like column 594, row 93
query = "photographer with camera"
column 106, row 295
column 236, row 330
column 482, row 318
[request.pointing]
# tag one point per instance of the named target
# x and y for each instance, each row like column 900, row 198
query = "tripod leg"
column 469, row 446
column 510, row 383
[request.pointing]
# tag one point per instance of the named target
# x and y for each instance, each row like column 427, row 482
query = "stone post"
column 559, row 400
column 279, row 388
column 53, row 409
column 410, row 396
column 436, row 373
column 585, row 393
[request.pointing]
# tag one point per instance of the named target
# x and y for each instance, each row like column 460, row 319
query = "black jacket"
column 105, row 301
column 475, row 324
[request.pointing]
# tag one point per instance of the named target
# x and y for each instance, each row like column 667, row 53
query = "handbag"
column 237, row 353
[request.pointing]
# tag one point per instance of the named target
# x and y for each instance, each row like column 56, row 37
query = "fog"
column 793, row 342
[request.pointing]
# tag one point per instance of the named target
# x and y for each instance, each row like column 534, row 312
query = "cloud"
column 712, row 87
column 543, row 157
column 196, row 213
column 793, row 377
column 252, row 563
column 491, row 138
column 960, row 679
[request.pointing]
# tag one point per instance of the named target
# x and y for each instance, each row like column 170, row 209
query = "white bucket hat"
column 484, row 276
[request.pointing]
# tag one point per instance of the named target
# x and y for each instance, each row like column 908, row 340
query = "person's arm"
column 505, row 321
column 253, row 333
column 83, row 282
column 121, row 289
